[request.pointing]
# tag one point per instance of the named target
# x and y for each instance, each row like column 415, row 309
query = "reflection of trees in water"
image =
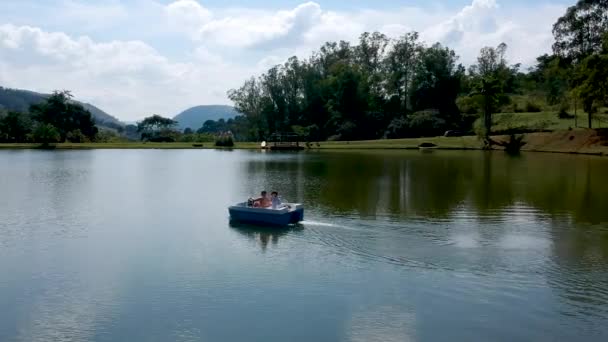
column 272, row 172
column 434, row 185
column 407, row 184
column 569, row 192
column 581, row 251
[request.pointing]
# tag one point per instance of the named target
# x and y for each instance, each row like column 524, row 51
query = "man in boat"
column 263, row 201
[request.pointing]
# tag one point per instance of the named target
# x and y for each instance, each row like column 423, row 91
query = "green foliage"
column 156, row 128
column 224, row 140
column 532, row 107
column 197, row 138
column 14, row 127
column 491, row 76
column 580, row 32
column 351, row 92
column 20, row 101
column 155, row 123
column 107, row 136
column 46, row 133
column 427, row 123
column 469, row 104
column 76, row 136
column 437, row 83
column 592, row 82
column 60, row 112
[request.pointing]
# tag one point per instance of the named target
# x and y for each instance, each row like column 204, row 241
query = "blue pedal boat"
column 286, row 214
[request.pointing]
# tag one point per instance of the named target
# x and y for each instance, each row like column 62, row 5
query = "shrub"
column 468, row 104
column 397, row 128
column 224, row 140
column 532, row 107
column 46, row 134
column 427, row 123
column 76, row 136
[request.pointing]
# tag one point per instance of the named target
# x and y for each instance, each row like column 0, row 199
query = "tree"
column 436, row 83
column 157, row 128
column 489, row 75
column 369, row 55
column 250, row 101
column 400, row 64
column 188, row 130
column 14, row 127
column 347, row 101
column 580, row 31
column 155, row 123
column 552, row 75
column 592, row 82
column 60, row 112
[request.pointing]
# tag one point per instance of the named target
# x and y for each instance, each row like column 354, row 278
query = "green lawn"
column 544, row 121
column 469, row 142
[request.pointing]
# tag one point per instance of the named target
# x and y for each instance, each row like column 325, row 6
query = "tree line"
column 377, row 88
column 394, row 88
column 57, row 119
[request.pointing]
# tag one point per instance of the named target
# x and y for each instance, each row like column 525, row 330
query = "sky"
column 134, row 58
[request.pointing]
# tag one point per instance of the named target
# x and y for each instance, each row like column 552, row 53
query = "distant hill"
column 20, row 100
column 196, row 116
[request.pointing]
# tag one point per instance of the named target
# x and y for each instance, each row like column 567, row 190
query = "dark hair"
column 274, row 193
column 264, row 192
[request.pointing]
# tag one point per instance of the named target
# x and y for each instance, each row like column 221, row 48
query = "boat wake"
column 321, row 224
column 351, row 240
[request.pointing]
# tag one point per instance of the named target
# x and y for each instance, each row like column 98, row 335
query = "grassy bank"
column 458, row 143
column 128, row 145
column 584, row 141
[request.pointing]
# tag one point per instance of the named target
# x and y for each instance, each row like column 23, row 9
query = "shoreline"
column 584, row 142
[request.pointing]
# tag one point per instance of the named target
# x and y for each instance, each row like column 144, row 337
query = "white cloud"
column 265, row 30
column 141, row 57
column 187, row 15
column 126, row 78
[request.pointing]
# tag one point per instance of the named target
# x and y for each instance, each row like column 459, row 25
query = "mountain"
column 20, row 100
column 196, row 116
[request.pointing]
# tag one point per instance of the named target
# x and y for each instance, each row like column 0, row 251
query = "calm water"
column 396, row 246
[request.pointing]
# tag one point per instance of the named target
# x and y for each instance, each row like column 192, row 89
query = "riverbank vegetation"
column 398, row 88
column 380, row 88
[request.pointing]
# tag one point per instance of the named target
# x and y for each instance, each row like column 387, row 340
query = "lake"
column 136, row 245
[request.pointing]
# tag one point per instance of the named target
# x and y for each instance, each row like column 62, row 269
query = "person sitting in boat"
column 275, row 200
column 263, row 201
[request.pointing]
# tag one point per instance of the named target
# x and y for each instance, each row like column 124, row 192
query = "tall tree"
column 370, row 54
column 14, row 127
column 250, row 101
column 591, row 81
column 489, row 76
column 580, row 31
column 401, row 63
column 437, row 81
column 552, row 75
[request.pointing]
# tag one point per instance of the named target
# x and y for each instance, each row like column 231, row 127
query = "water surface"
column 136, row 245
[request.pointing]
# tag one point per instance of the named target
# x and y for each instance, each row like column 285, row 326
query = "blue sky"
column 133, row 58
